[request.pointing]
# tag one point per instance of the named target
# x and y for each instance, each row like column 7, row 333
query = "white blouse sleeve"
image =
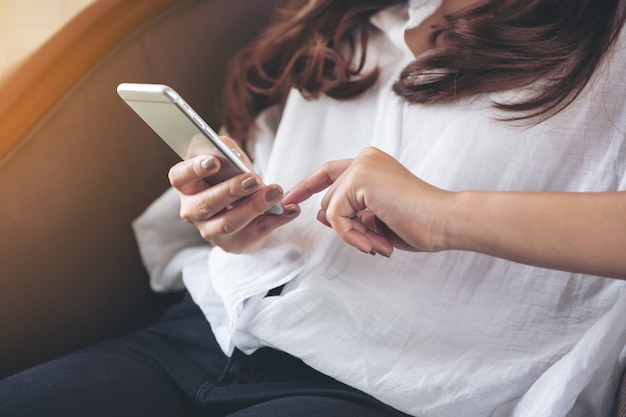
column 167, row 243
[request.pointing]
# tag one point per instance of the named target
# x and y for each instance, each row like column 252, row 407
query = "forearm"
column 577, row 232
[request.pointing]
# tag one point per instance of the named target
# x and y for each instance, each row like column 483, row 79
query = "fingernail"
column 373, row 252
column 249, row 184
column 208, row 164
column 290, row 211
column 386, row 255
column 273, row 194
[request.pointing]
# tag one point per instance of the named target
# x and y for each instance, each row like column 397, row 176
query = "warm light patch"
column 26, row 24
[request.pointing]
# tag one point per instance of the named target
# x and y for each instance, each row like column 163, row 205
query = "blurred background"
column 26, row 24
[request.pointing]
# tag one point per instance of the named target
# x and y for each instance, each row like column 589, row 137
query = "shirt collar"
column 395, row 20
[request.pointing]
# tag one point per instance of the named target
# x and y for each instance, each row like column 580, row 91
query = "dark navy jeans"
column 175, row 368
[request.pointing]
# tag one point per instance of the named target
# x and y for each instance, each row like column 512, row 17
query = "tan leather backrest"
column 70, row 273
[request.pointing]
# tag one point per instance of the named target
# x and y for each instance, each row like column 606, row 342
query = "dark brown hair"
column 495, row 46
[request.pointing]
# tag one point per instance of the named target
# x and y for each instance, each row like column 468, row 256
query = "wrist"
column 459, row 221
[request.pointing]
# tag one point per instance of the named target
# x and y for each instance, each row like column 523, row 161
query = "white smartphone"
column 183, row 129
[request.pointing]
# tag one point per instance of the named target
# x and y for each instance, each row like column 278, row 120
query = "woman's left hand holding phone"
column 217, row 212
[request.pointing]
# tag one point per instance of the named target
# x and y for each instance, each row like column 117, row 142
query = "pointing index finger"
column 321, row 179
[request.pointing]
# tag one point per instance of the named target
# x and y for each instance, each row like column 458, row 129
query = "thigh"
column 273, row 383
column 154, row 372
column 313, row 406
column 90, row 383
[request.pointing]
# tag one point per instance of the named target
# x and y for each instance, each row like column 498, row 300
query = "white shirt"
column 445, row 334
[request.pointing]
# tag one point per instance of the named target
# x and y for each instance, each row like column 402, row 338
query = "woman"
column 491, row 133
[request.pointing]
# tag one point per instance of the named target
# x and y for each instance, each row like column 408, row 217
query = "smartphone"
column 165, row 111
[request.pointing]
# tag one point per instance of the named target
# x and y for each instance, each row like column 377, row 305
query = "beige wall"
column 25, row 24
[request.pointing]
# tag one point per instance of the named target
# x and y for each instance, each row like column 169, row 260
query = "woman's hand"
column 375, row 204
column 222, row 219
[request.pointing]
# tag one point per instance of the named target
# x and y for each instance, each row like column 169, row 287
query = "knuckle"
column 206, row 235
column 369, row 150
column 205, row 204
column 232, row 189
column 324, row 172
column 258, row 205
column 185, row 216
column 262, row 228
column 185, row 172
column 196, row 169
column 226, row 226
column 173, row 177
column 231, row 248
column 184, row 213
